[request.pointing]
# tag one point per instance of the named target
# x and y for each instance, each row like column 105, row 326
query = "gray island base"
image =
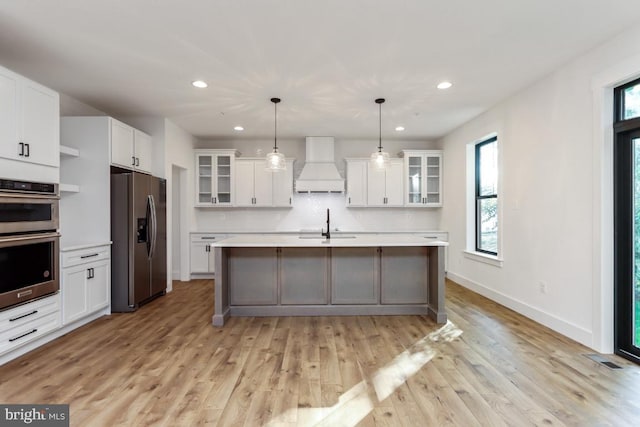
column 275, row 275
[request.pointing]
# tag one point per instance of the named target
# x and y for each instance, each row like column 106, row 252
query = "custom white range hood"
column 319, row 174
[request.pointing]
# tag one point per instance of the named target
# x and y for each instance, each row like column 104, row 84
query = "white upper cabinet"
column 130, row 148
column 122, row 152
column 367, row 186
column 423, row 178
column 142, row 151
column 29, row 121
column 357, row 182
column 215, row 176
column 385, row 188
column 257, row 187
column 283, row 186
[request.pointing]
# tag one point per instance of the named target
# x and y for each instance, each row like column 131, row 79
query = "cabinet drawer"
column 443, row 237
column 211, row 238
column 28, row 322
column 83, row 256
column 23, row 313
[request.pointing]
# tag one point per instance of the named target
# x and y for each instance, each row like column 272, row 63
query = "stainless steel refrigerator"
column 138, row 232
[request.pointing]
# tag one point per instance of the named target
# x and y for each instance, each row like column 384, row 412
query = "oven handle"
column 27, row 237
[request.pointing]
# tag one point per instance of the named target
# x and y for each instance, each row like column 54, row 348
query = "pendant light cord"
column 379, row 101
column 275, row 124
column 380, row 128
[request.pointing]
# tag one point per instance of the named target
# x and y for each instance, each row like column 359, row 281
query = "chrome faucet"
column 328, row 233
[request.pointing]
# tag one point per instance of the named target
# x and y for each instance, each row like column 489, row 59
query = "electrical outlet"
column 543, row 287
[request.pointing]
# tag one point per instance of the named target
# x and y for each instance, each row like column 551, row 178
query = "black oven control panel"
column 28, row 187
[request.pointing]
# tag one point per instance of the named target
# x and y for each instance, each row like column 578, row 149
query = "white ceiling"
column 327, row 60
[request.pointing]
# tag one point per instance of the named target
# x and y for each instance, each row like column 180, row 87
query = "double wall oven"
column 29, row 241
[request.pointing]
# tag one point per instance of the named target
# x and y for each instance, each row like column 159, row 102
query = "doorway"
column 627, row 220
column 179, row 228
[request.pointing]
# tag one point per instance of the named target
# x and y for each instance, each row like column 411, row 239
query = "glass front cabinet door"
column 215, row 175
column 423, row 175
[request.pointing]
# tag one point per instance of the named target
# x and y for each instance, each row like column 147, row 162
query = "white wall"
column 175, row 223
column 309, row 210
column 551, row 198
column 179, row 154
column 70, row 106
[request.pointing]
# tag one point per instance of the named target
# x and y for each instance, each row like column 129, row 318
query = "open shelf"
column 69, row 188
column 69, row 151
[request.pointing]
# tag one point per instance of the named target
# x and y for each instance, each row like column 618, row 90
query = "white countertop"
column 342, row 240
column 85, row 246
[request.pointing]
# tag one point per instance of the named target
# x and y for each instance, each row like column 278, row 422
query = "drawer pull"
column 23, row 335
column 88, row 256
column 208, row 238
column 24, row 315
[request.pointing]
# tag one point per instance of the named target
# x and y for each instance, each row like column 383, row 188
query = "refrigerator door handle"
column 154, row 225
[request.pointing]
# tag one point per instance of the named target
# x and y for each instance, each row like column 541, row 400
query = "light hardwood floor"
column 166, row 365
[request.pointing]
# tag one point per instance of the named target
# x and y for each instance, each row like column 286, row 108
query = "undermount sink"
column 323, row 238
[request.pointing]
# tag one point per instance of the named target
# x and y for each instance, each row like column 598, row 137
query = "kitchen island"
column 284, row 275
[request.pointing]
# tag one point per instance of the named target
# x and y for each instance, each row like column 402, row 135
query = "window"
column 626, row 196
column 486, row 185
column 628, row 101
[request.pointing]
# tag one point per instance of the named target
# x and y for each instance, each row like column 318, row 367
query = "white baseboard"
column 577, row 333
column 175, row 275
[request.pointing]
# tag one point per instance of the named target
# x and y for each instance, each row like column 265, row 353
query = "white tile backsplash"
column 309, row 213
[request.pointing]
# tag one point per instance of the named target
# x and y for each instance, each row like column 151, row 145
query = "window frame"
column 479, row 197
column 618, row 96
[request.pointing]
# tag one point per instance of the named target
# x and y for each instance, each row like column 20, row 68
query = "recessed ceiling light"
column 199, row 84
column 399, row 128
column 444, row 85
column 238, row 128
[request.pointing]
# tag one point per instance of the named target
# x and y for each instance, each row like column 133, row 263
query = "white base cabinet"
column 86, row 282
column 28, row 322
column 201, row 257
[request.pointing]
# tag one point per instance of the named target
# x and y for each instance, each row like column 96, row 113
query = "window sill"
column 485, row 258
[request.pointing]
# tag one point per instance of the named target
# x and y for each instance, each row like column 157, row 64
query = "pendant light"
column 275, row 161
column 380, row 159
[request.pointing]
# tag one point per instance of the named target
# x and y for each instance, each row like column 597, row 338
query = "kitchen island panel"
column 304, row 276
column 253, row 276
column 405, row 275
column 355, row 277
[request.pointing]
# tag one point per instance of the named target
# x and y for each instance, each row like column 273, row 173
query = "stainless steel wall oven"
column 29, row 241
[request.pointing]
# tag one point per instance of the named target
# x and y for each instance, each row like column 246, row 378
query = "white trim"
column 482, row 257
column 602, row 227
column 562, row 326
